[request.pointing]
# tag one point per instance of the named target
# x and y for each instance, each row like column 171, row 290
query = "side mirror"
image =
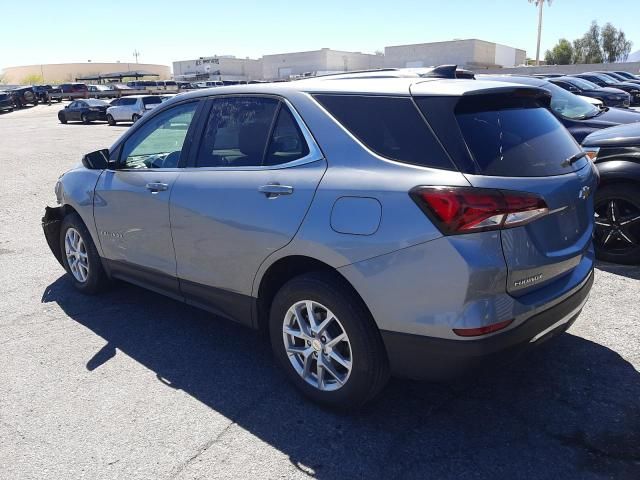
column 98, row 160
column 66, row 106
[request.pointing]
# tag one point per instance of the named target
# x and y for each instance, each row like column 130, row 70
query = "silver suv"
column 411, row 226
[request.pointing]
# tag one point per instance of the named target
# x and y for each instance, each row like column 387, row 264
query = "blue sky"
column 59, row 31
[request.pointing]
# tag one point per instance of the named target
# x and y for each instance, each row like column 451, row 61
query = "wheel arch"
column 283, row 270
column 618, row 171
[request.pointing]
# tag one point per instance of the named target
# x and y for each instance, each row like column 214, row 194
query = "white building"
column 471, row 53
column 224, row 67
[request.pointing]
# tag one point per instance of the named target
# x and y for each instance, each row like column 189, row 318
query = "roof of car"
column 369, row 86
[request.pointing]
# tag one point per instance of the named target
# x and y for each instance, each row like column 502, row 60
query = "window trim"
column 314, row 155
column 186, row 146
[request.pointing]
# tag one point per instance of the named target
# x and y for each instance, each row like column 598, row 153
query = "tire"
column 620, row 244
column 110, row 120
column 85, row 119
column 96, row 279
column 58, row 100
column 135, row 118
column 369, row 370
column 62, row 119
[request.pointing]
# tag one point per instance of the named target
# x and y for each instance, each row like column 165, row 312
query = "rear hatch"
column 506, row 139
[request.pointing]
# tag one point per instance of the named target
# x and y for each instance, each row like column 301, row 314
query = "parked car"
column 616, row 153
column 131, row 109
column 44, row 92
column 71, row 91
column 85, row 111
column 6, row 102
column 579, row 117
column 592, row 101
column 627, row 75
column 370, row 226
column 23, row 96
column 210, row 83
column 548, row 75
column 102, row 91
column 620, row 78
column 606, row 81
column 142, row 84
column 611, row 97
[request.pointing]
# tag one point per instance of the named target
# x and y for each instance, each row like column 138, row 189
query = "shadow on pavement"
column 568, row 410
column 631, row 271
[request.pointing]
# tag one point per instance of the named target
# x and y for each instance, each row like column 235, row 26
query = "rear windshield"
column 151, row 100
column 518, row 142
column 390, row 126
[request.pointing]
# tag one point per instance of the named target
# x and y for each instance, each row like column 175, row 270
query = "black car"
column 611, row 97
column 23, row 96
column 85, row 111
column 616, row 152
column 627, row 75
column 6, row 102
column 603, row 80
column 579, row 116
column 620, row 78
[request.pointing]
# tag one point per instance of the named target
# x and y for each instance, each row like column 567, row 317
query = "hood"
column 620, row 136
column 611, row 118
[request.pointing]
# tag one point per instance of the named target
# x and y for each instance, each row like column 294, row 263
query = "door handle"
column 275, row 190
column 155, row 187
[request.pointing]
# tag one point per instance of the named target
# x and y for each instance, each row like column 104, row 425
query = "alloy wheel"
column 617, row 226
column 76, row 252
column 317, row 345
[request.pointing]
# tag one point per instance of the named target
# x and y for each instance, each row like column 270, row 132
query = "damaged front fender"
column 51, row 223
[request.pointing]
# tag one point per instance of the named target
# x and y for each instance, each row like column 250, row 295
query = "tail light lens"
column 457, row 210
column 476, row 332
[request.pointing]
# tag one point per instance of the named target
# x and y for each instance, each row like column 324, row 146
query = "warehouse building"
column 223, row 67
column 316, row 62
column 472, row 54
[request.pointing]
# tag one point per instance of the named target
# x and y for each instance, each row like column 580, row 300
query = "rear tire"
column 88, row 275
column 110, row 120
column 368, row 368
column 620, row 244
column 135, row 117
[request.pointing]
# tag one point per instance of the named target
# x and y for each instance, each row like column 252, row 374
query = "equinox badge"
column 584, row 193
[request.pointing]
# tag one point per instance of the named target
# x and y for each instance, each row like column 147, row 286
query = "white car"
column 131, row 109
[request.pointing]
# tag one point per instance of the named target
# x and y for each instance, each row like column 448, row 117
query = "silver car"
column 373, row 226
column 131, row 108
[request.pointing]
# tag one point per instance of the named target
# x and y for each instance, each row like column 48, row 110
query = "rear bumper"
column 430, row 358
column 51, row 222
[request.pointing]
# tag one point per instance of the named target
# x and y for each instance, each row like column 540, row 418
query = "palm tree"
column 539, row 4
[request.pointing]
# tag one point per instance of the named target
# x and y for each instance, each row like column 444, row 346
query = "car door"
column 131, row 206
column 243, row 196
column 72, row 111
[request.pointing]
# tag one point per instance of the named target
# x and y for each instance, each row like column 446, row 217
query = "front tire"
column 325, row 340
column 135, row 117
column 85, row 119
column 80, row 257
column 62, row 118
column 110, row 120
column 617, row 233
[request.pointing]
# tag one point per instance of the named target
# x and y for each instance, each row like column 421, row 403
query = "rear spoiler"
column 448, row 71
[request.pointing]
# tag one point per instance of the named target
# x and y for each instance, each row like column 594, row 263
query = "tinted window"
column 127, row 101
column 237, row 131
column 151, row 100
column 158, row 143
column 287, row 143
column 95, row 103
column 390, row 126
column 518, row 142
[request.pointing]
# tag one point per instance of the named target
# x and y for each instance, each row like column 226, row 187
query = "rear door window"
column 390, row 126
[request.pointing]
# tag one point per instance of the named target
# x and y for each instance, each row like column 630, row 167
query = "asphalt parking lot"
column 132, row 385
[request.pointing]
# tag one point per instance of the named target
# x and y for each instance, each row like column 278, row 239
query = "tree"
column 560, row 54
column 539, row 4
column 32, row 79
column 588, row 49
column 615, row 45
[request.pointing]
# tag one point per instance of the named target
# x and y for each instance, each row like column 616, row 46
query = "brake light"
column 458, row 210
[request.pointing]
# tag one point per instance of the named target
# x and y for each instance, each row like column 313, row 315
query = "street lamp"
column 539, row 4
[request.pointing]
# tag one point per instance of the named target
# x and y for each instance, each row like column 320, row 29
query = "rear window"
column 518, row 142
column 390, row 126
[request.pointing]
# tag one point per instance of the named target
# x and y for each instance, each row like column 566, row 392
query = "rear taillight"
column 458, row 210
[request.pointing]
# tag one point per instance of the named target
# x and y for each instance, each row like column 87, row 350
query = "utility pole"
column 136, row 53
column 539, row 4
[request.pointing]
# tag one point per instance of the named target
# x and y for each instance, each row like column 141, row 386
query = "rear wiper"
column 573, row 158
